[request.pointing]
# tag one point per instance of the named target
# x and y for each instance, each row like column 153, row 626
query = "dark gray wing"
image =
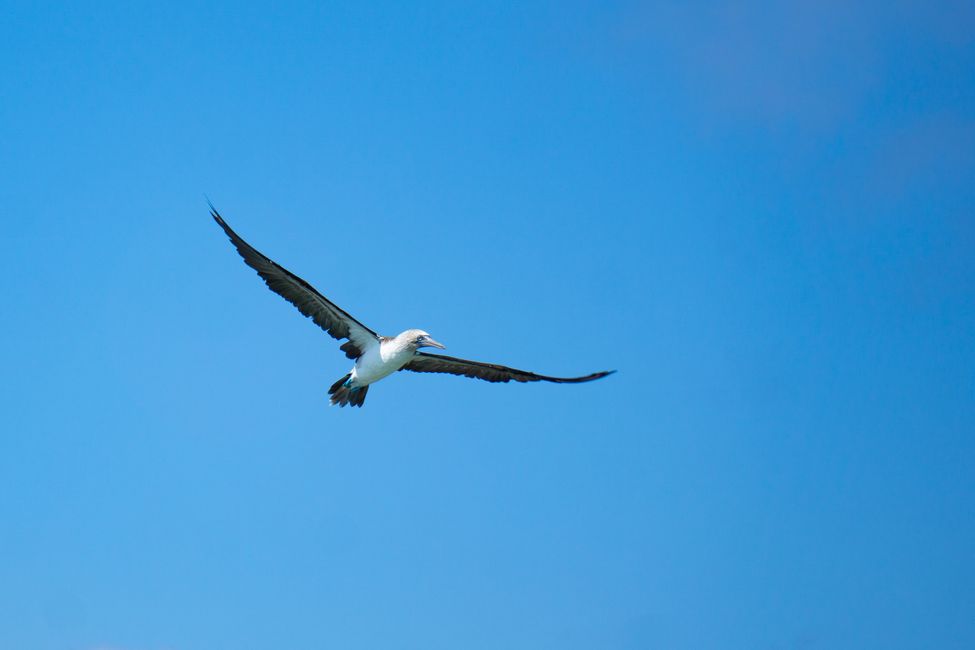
column 425, row 362
column 302, row 295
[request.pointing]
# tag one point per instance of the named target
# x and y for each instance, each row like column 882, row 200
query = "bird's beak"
column 430, row 343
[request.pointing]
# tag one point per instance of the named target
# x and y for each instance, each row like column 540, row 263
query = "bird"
column 375, row 356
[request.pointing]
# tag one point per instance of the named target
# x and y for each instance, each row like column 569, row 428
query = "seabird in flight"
column 375, row 356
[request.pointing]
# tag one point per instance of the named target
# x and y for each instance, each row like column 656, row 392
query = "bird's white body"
column 383, row 359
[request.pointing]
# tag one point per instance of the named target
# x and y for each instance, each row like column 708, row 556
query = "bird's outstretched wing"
column 327, row 315
column 425, row 362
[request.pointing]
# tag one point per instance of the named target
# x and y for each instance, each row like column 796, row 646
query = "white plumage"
column 383, row 359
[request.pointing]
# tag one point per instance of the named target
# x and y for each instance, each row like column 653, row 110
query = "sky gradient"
column 762, row 216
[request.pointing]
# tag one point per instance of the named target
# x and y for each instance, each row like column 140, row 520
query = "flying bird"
column 375, row 356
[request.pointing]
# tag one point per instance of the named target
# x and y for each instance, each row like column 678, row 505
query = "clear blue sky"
column 764, row 218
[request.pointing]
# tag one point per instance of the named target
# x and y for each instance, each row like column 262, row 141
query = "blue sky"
column 761, row 215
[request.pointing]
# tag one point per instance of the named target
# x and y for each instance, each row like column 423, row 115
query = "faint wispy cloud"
column 811, row 65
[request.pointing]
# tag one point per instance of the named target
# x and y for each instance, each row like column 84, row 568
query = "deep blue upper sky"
column 763, row 217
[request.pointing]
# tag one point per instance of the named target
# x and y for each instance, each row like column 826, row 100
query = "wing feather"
column 326, row 314
column 426, row 362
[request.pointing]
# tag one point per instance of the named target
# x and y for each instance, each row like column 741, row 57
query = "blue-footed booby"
column 375, row 356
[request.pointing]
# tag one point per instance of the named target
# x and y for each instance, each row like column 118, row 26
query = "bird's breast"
column 380, row 361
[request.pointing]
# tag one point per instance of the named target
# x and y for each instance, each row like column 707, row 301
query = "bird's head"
column 419, row 339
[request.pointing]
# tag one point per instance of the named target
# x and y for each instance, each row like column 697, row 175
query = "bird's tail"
column 343, row 394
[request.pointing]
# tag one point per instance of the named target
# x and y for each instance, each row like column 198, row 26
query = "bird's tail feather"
column 343, row 394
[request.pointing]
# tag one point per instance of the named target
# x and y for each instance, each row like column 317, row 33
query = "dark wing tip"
column 242, row 246
column 594, row 376
column 216, row 215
